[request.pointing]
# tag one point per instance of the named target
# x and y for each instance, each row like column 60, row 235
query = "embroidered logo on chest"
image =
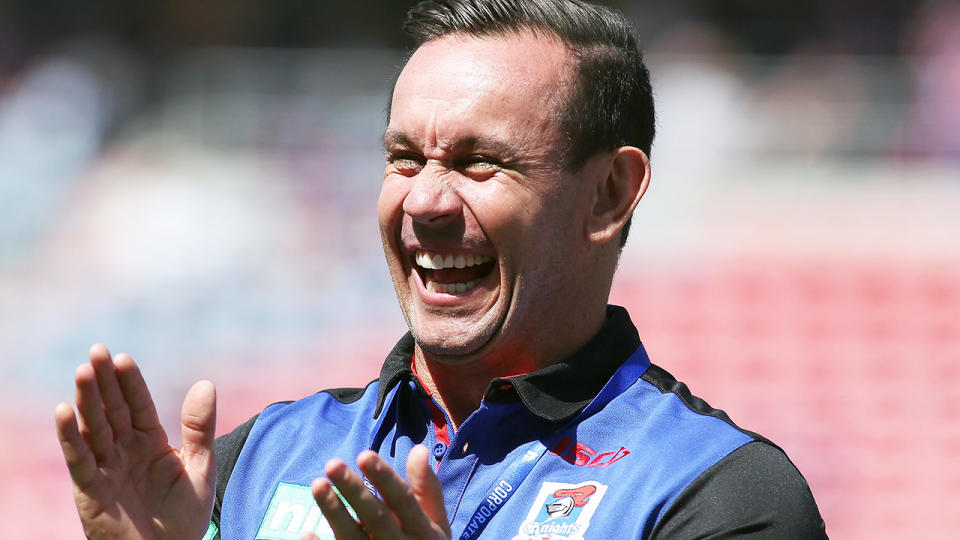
column 561, row 511
column 582, row 455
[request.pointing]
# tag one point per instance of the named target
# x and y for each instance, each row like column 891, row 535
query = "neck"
column 459, row 388
column 458, row 384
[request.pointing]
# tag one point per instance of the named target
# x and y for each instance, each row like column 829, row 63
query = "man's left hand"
column 407, row 510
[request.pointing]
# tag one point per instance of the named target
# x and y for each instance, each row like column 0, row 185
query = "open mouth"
column 452, row 273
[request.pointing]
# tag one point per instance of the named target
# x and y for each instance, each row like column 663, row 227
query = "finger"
column 376, row 517
column 198, row 420
column 340, row 521
column 396, row 493
column 309, row 536
column 143, row 413
column 80, row 461
column 426, row 487
column 114, row 404
column 93, row 423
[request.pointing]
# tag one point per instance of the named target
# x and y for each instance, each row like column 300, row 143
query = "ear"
column 617, row 193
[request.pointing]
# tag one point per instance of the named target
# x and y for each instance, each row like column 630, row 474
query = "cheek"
column 390, row 203
column 551, row 233
column 499, row 203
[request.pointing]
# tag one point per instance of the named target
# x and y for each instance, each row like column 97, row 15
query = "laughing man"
column 520, row 404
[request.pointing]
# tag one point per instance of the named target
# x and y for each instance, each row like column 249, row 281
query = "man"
column 516, row 152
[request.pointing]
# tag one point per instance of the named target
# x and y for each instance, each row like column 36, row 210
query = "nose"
column 431, row 199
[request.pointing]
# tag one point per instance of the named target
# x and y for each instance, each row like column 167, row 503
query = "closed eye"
column 479, row 166
column 407, row 164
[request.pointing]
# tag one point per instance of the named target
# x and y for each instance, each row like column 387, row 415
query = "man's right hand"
column 128, row 482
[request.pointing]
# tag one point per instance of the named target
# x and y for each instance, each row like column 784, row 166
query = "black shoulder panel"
column 227, row 450
column 346, row 395
column 755, row 492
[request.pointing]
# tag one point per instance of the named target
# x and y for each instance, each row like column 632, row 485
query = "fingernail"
column 334, row 469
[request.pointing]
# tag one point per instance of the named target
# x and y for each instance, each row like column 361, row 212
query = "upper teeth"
column 436, row 261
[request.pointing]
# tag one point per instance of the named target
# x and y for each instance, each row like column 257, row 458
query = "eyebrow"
column 393, row 137
column 504, row 150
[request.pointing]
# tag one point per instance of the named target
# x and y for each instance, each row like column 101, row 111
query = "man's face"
column 483, row 231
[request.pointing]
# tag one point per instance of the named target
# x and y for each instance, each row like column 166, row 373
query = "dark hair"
column 611, row 102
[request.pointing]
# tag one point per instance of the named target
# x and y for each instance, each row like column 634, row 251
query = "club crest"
column 561, row 511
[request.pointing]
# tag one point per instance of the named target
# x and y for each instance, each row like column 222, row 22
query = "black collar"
column 555, row 393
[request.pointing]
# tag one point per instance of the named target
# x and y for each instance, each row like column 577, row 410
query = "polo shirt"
column 602, row 444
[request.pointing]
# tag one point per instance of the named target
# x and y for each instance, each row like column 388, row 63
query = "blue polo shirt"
column 600, row 445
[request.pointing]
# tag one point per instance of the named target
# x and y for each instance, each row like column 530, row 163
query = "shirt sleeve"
column 755, row 492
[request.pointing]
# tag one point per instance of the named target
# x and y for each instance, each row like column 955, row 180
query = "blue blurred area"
column 237, row 210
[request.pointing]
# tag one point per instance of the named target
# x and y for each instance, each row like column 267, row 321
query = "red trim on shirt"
column 440, row 424
column 439, row 420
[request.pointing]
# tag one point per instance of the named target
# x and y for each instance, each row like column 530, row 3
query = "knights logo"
column 561, row 511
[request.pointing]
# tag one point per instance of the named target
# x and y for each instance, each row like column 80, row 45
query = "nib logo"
column 292, row 512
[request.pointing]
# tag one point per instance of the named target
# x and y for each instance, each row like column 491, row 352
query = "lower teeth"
column 452, row 288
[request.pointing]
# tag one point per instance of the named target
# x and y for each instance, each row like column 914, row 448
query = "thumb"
column 426, row 486
column 198, row 420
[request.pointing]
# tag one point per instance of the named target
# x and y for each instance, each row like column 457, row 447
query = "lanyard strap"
column 503, row 489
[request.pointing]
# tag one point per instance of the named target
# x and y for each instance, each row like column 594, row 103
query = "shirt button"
column 439, row 450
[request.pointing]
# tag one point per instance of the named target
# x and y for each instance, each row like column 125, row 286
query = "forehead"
column 462, row 86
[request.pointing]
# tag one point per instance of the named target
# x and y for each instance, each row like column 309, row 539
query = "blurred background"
column 194, row 183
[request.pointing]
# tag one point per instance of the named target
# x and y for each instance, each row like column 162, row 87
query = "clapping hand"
column 128, row 482
column 404, row 511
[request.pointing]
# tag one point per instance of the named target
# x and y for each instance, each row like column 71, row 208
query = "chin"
column 451, row 336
